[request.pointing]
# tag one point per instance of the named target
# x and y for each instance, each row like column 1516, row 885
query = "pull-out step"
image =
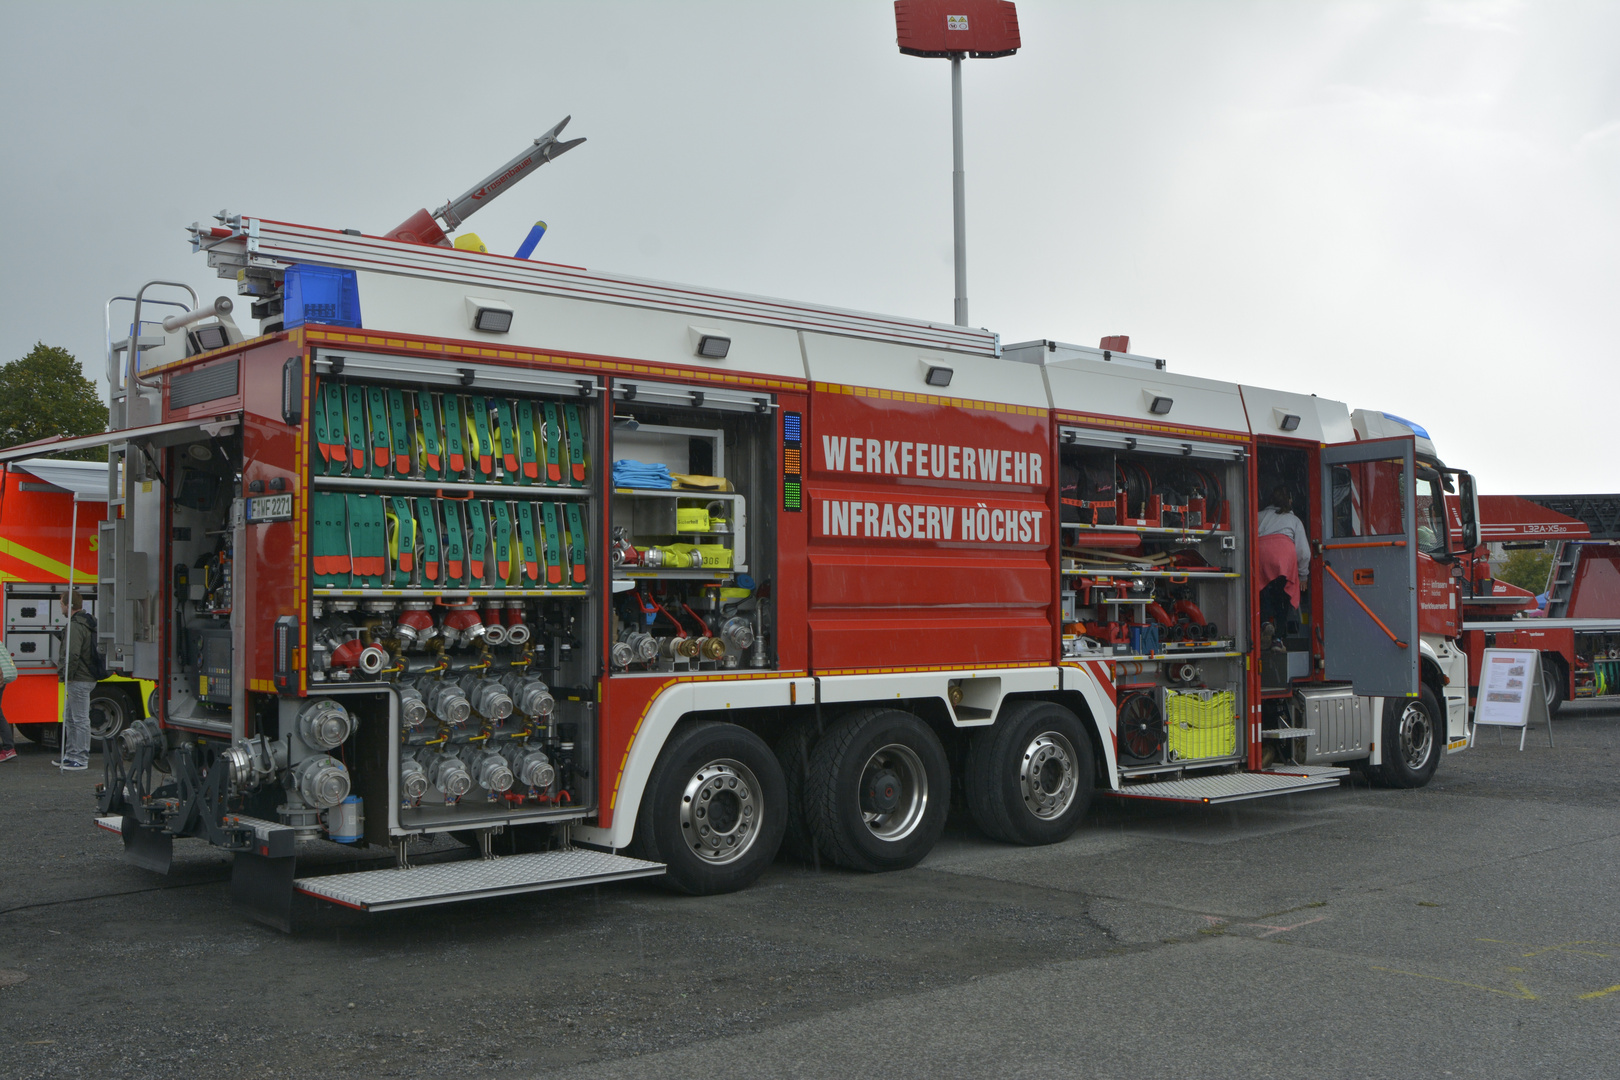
column 1234, row 787
column 443, row 883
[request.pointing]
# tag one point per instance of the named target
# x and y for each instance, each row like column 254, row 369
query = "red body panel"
column 1596, row 591
column 930, row 532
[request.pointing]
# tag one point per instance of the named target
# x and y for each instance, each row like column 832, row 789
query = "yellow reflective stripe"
column 44, row 562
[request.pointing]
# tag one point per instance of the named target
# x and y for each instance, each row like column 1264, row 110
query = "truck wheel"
column 792, row 754
column 1029, row 778
column 878, row 790
column 109, row 713
column 45, row 735
column 1412, row 740
column 1553, row 682
column 714, row 809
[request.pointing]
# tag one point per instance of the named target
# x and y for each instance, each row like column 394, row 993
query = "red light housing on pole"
column 982, row 29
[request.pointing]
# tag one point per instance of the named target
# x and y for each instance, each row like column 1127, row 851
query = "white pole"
column 67, row 638
column 959, row 191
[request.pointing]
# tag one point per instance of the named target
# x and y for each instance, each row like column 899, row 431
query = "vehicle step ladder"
column 1560, row 583
column 471, row 879
column 1235, row 787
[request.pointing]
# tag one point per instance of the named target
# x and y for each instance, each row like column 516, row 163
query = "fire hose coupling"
column 489, row 698
column 530, row 765
column 413, row 779
column 139, row 736
column 415, row 625
column 352, row 653
column 252, row 762
column 738, row 632
column 448, row 775
column 494, row 625
column 320, row 781
column 463, row 624
column 413, row 710
column 712, row 648
column 530, row 695
column 324, row 724
column 517, row 626
column 445, row 701
column 488, row 768
column 679, row 648
column 621, row 655
column 643, row 646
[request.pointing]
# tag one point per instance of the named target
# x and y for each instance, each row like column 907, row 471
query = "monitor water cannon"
column 434, row 229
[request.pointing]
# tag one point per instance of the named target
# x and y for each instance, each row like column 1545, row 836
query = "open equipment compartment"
column 1154, row 582
column 451, row 574
column 691, row 574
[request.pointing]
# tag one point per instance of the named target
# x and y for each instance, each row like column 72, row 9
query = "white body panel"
column 880, row 365
column 1099, row 386
column 1320, row 419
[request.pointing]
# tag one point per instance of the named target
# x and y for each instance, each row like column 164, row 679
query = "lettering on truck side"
column 897, row 457
column 979, row 523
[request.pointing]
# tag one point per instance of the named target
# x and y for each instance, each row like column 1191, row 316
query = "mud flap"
column 148, row 848
column 262, row 888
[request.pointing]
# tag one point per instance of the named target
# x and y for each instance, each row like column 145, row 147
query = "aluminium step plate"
column 1231, row 787
column 443, row 883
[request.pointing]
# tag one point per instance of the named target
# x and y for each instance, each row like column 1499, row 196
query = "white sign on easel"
column 1510, row 692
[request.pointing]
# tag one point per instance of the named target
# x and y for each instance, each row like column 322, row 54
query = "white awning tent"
column 86, row 480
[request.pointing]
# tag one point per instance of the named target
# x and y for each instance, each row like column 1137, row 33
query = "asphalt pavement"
column 1465, row 929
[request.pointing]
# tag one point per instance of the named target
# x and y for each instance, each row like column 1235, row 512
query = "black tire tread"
column 1393, row 773
column 793, row 754
column 821, row 788
column 990, row 754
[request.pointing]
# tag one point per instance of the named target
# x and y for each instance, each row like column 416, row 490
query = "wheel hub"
column 894, row 792
column 881, row 794
column 1417, row 736
column 1046, row 777
column 720, row 811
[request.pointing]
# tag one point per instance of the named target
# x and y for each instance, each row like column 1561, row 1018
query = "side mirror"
column 1468, row 500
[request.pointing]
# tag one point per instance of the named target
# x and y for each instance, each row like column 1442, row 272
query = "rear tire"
column 714, row 809
column 1029, row 778
column 111, row 711
column 1412, row 741
column 878, row 790
column 1553, row 682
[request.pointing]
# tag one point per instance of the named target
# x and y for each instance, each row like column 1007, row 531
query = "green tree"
column 44, row 394
column 1527, row 568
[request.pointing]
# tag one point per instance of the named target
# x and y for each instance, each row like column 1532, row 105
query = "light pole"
column 982, row 29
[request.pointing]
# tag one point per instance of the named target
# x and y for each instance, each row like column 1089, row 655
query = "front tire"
column 714, row 809
column 1029, row 778
column 878, row 790
column 1411, row 740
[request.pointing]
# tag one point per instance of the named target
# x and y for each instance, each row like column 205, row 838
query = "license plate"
column 270, row 508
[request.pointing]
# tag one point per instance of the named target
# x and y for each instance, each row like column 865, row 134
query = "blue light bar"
column 1417, row 429
column 321, row 294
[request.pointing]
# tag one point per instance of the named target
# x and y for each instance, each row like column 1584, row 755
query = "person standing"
column 8, row 675
column 80, row 669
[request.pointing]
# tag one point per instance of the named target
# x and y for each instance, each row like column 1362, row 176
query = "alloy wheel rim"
column 901, row 763
column 1046, row 776
column 720, row 811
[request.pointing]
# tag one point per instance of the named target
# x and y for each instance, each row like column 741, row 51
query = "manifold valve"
column 1183, row 671
column 252, row 762
column 489, row 768
column 324, row 724
column 449, row 775
column 489, row 698
column 445, row 700
column 413, row 711
column 321, row 781
column 530, row 764
column 517, row 628
column 530, row 695
column 413, row 779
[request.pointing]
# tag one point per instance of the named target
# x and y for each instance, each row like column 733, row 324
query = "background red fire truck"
column 49, row 513
column 570, row 564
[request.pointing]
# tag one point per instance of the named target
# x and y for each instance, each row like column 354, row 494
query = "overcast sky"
column 1407, row 206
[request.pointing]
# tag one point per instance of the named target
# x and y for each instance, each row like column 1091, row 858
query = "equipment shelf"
column 1111, row 657
column 447, row 594
column 1151, row 530
column 1199, row 575
column 436, row 487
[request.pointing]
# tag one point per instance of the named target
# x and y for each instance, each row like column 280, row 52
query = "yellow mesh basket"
column 1200, row 723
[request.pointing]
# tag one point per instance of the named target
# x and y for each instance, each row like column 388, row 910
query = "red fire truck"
column 612, row 577
column 1578, row 632
column 49, row 514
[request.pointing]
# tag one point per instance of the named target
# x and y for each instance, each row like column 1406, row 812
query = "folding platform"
column 442, row 883
column 1234, row 787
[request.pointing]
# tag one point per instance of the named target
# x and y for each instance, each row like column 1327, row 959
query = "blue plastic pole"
column 527, row 247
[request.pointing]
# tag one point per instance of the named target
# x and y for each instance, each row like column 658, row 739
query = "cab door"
column 1369, row 558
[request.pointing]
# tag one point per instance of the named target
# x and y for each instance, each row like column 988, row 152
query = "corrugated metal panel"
column 207, row 383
